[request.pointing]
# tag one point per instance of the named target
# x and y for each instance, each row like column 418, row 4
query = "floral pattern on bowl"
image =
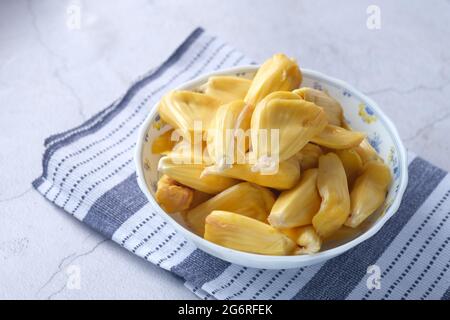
column 360, row 112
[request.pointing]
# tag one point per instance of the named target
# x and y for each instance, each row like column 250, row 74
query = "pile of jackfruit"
column 240, row 192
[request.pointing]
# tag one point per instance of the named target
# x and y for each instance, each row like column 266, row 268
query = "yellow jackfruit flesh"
column 285, row 177
column 216, row 173
column 227, row 140
column 190, row 174
column 334, row 137
column 278, row 73
column 172, row 196
column 198, row 198
column 244, row 198
column 226, row 88
column 293, row 120
column 346, row 125
column 187, row 152
column 239, row 232
column 352, row 163
column 332, row 108
column 163, row 144
column 297, row 206
column 366, row 151
column 369, row 192
column 332, row 184
column 309, row 156
column 306, row 238
column 188, row 111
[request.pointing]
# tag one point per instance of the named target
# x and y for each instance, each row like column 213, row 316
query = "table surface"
column 57, row 70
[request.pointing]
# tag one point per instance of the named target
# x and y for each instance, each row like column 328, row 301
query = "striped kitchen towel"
column 89, row 172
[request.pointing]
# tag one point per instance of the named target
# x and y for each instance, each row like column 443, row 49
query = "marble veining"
column 55, row 73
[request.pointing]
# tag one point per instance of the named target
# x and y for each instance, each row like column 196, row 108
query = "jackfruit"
column 226, row 88
column 369, row 192
column 172, row 196
column 366, row 151
column 285, row 177
column 278, row 73
column 346, row 125
column 309, row 156
column 242, row 233
column 163, row 144
column 186, row 152
column 333, row 109
column 297, row 206
column 332, row 184
column 190, row 175
column 352, row 163
column 199, row 198
column 293, row 120
column 306, row 238
column 244, row 198
column 334, row 137
column 227, row 140
column 188, row 111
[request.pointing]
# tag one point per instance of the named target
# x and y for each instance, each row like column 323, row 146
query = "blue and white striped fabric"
column 89, row 172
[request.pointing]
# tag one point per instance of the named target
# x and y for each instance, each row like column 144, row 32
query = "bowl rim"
column 307, row 259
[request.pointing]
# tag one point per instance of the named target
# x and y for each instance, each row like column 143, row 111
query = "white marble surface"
column 53, row 77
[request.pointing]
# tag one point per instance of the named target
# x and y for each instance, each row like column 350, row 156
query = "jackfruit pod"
column 306, row 238
column 332, row 184
column 366, row 151
column 309, row 156
column 244, row 198
column 369, row 192
column 172, row 196
column 186, row 152
column 284, row 177
column 278, row 73
column 332, row 108
column 293, row 120
column 346, row 125
column 352, row 163
column 226, row 88
column 163, row 144
column 199, row 198
column 186, row 110
column 334, row 137
column 227, row 140
column 297, row 206
column 190, row 175
column 242, row 233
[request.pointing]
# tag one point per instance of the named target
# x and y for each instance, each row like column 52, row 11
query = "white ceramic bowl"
column 361, row 112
